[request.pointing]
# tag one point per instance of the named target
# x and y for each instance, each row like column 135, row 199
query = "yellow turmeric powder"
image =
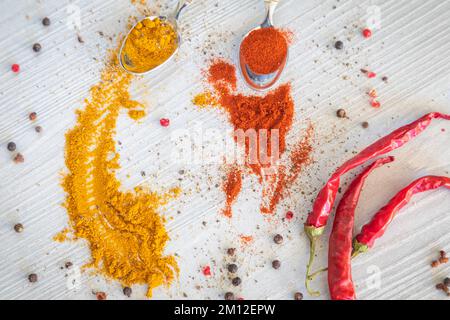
column 149, row 44
column 123, row 229
column 204, row 100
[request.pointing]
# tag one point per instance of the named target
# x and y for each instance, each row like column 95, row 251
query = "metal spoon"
column 125, row 61
column 262, row 81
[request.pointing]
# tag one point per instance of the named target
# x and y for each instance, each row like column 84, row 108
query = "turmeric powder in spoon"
column 151, row 42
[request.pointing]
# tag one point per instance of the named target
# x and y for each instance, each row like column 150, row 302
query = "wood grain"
column 411, row 48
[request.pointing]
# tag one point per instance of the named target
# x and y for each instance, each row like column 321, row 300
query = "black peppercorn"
column 229, row 296
column 11, row 146
column 32, row 277
column 37, row 47
column 127, row 291
column 232, row 268
column 236, row 281
column 341, row 113
column 298, row 296
column 278, row 239
column 46, row 21
column 339, row 45
column 447, row 282
column 276, row 264
column 18, row 227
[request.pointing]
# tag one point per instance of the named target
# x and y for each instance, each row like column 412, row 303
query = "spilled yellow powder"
column 123, row 229
column 204, row 100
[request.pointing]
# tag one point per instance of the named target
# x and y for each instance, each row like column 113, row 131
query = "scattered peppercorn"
column 367, row 33
column 443, row 260
column 385, row 79
column 127, row 291
column 15, row 68
column 206, row 271
column 443, row 287
column 38, row 129
column 11, row 146
column 46, row 21
column 365, row 124
column 339, row 45
column 18, row 227
column 371, row 75
column 289, row 215
column 375, row 103
column 298, row 296
column 231, row 251
column 447, row 282
column 435, row 264
column 68, row 265
column 32, row 116
column 229, row 296
column 164, row 122
column 232, row 268
column 37, row 47
column 373, row 93
column 19, row 158
column 80, row 39
column 236, row 281
column 278, row 239
column 276, row 264
column 341, row 113
column 100, row 295
column 32, row 277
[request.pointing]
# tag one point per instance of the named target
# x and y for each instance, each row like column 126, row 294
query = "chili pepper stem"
column 358, row 248
column 315, row 274
column 309, row 277
column 313, row 234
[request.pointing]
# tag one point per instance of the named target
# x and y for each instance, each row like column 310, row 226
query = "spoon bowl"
column 262, row 81
column 127, row 64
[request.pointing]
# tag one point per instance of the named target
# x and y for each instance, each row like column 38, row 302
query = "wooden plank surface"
column 411, row 48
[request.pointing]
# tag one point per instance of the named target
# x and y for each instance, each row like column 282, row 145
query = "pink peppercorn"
column 375, row 104
column 367, row 33
column 207, row 271
column 371, row 74
column 15, row 68
column 164, row 122
column 289, row 215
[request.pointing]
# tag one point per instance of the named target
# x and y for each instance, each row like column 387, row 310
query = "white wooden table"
column 411, row 48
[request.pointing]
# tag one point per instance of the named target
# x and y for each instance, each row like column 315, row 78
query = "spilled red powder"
column 232, row 187
column 246, row 239
column 271, row 113
column 275, row 110
column 299, row 158
column 221, row 73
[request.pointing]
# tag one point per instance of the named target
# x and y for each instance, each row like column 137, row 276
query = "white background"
column 411, row 48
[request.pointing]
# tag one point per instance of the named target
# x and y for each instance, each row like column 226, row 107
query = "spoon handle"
column 271, row 5
column 182, row 4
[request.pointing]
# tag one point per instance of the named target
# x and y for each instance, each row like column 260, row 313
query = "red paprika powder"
column 264, row 50
column 232, row 188
column 275, row 110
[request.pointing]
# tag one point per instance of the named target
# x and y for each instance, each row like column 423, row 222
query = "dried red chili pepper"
column 340, row 281
column 317, row 219
column 379, row 223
